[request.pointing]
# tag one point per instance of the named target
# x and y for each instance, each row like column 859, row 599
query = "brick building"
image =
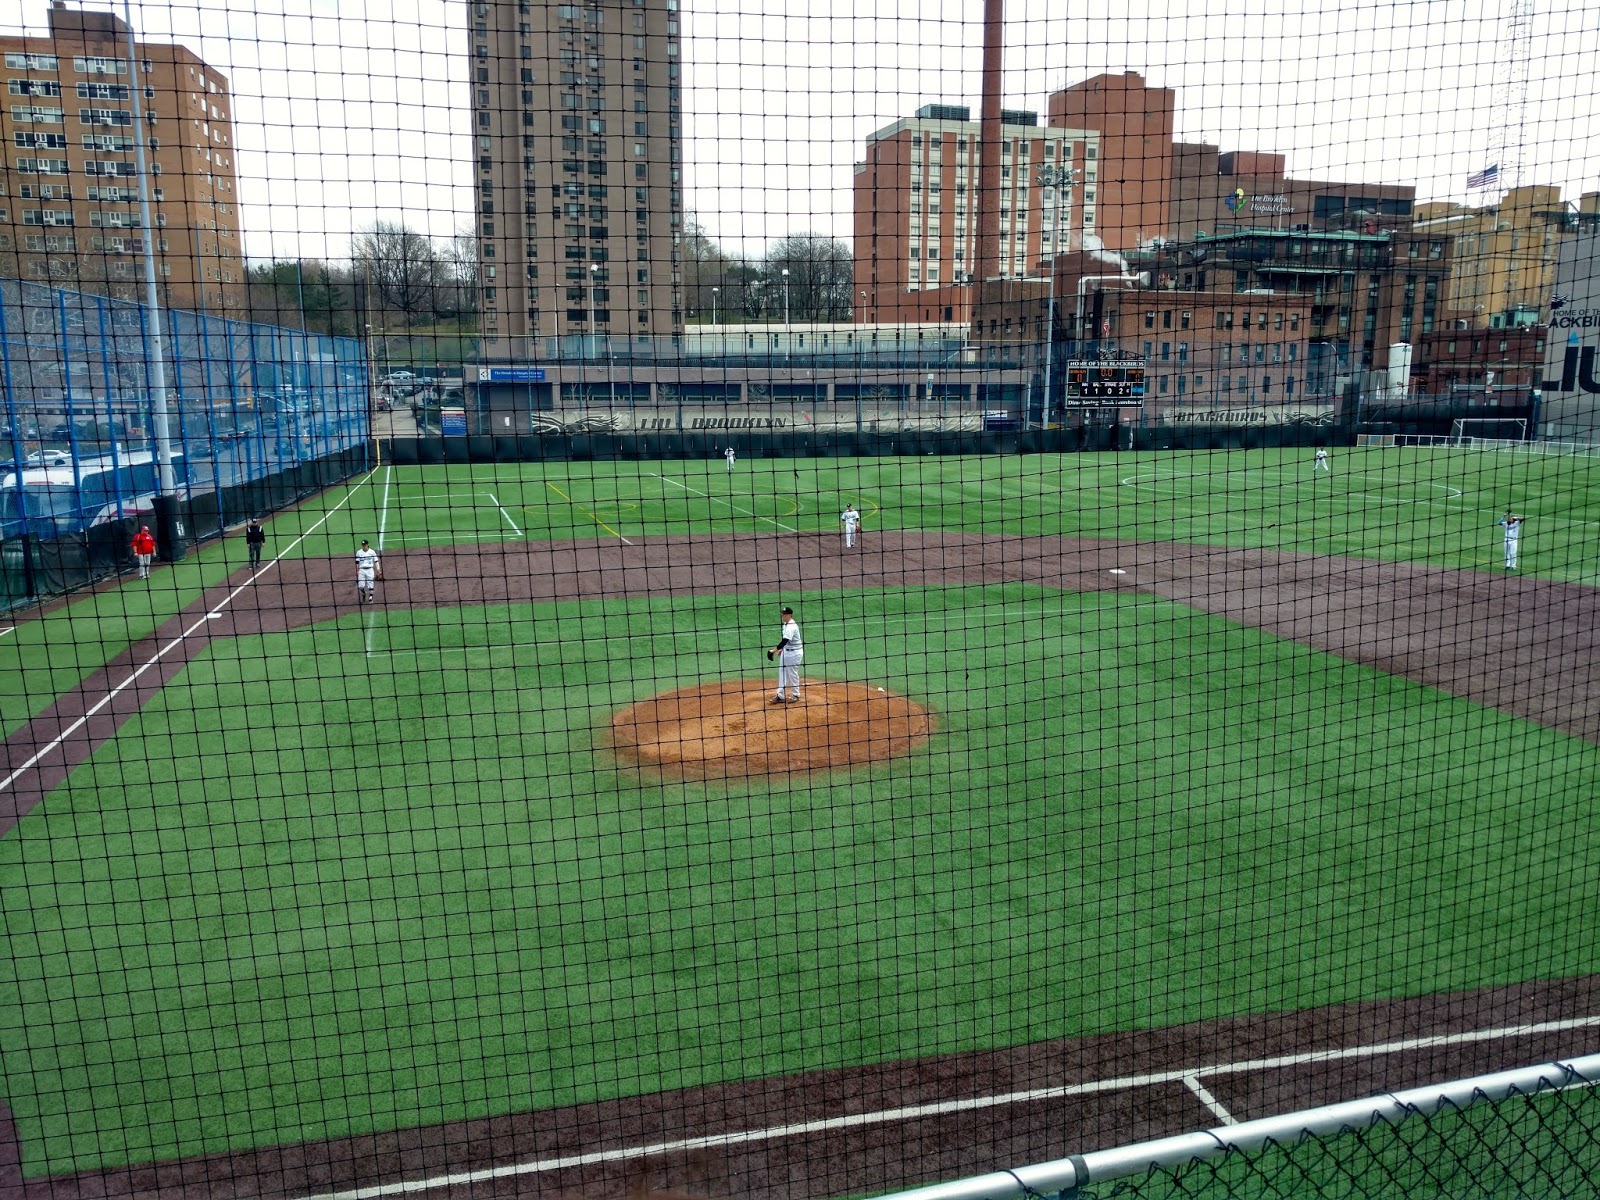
column 69, row 188
column 916, row 221
column 577, row 126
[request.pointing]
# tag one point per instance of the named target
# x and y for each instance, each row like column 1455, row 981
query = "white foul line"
column 8, row 629
column 946, row 1107
column 495, row 501
column 383, row 525
column 718, row 500
column 162, row 653
column 1192, row 1082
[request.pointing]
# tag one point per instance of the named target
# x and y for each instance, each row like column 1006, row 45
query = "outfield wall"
column 789, row 443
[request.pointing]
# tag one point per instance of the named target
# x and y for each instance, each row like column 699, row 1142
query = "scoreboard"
column 1105, row 382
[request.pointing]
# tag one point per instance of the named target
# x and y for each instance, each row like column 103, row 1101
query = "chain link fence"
column 1532, row 1132
column 257, row 416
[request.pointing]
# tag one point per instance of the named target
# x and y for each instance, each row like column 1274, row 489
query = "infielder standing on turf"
column 1513, row 524
column 255, row 537
column 789, row 651
column 851, row 520
column 1321, row 461
column 368, row 571
column 730, row 456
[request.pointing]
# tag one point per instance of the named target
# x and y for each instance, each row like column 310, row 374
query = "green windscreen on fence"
column 621, row 598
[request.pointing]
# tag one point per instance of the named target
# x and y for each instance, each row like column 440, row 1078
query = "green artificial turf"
column 383, row 873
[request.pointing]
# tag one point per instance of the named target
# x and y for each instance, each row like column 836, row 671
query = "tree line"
column 395, row 279
column 818, row 286
column 398, row 279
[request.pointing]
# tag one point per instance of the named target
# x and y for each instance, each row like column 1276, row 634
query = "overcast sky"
column 351, row 111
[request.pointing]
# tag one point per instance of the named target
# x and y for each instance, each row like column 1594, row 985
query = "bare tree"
column 401, row 268
column 706, row 267
column 460, row 261
column 820, row 272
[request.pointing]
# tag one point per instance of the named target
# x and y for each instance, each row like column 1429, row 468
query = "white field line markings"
column 177, row 641
column 718, row 500
column 1151, row 481
column 383, row 528
column 945, row 1108
column 1192, row 1082
column 496, row 502
column 8, row 629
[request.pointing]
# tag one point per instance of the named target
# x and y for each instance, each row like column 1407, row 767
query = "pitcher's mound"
column 731, row 728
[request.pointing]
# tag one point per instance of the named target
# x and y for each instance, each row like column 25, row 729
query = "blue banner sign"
column 453, row 422
column 510, row 374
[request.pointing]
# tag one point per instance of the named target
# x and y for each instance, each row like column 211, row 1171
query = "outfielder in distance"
column 789, row 652
column 1513, row 524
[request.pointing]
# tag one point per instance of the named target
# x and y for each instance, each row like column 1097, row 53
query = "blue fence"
column 245, row 402
column 257, row 417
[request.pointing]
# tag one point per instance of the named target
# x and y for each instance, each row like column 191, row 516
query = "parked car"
column 49, row 458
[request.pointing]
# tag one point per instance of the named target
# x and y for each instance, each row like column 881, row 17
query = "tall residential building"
column 577, row 120
column 916, row 217
column 69, row 191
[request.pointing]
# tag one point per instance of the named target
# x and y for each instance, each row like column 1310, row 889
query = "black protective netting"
column 633, row 596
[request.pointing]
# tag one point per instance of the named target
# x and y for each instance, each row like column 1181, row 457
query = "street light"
column 714, row 292
column 594, row 342
column 1062, row 179
column 786, row 300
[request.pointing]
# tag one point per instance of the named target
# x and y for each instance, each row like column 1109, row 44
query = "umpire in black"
column 255, row 537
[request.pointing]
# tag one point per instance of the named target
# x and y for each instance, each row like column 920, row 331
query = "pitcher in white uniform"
column 789, row 652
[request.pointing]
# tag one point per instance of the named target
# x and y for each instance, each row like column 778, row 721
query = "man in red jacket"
column 144, row 549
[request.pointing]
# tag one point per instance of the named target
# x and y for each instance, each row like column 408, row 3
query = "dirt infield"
column 1526, row 646
column 732, row 729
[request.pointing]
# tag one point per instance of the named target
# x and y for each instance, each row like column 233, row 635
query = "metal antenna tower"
column 1510, row 107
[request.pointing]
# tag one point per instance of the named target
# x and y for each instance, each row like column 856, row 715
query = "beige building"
column 69, row 188
column 1505, row 254
column 916, row 218
column 577, row 123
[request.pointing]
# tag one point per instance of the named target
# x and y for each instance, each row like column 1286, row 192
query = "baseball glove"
column 769, row 655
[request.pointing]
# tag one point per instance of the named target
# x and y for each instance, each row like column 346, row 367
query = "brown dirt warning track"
column 1526, row 646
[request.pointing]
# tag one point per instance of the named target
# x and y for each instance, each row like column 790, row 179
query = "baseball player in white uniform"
column 851, row 520
column 730, row 456
column 368, row 572
column 789, row 651
column 1513, row 524
column 1320, row 463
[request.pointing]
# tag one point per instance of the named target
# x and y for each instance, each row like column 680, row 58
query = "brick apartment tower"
column 577, row 126
column 69, row 211
column 916, row 235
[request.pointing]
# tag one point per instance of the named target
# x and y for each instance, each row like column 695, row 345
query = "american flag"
column 1484, row 178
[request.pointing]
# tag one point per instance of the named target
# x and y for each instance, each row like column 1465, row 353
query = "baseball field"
column 1217, row 751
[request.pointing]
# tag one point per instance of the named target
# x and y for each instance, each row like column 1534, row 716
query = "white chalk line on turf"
column 8, row 629
column 947, row 1107
column 50, row 746
column 495, row 500
column 718, row 500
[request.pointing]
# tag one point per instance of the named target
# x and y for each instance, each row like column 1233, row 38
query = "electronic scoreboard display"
column 1105, row 382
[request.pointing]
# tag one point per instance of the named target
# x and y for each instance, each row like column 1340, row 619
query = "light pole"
column 594, row 342
column 1062, row 179
column 715, row 292
column 786, row 301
